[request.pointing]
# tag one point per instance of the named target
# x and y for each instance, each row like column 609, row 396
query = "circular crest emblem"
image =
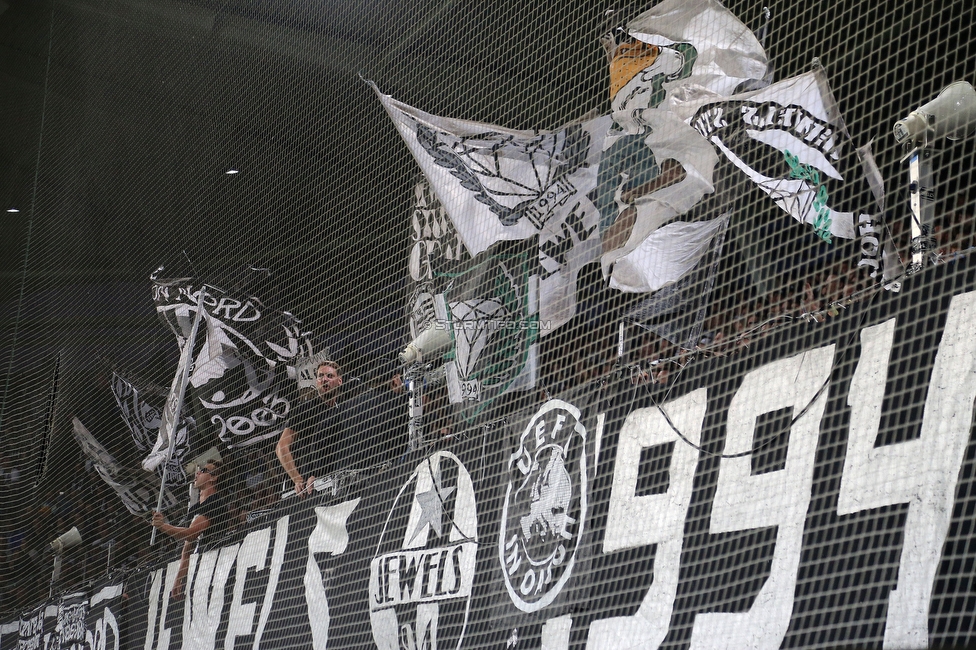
column 545, row 506
column 421, row 576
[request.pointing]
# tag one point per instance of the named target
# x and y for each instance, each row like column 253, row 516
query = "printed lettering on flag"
column 240, row 375
column 497, row 184
column 790, row 140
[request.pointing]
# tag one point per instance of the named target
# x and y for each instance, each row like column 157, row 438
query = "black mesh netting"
column 457, row 324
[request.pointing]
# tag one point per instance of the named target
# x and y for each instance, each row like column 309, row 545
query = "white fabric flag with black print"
column 498, row 184
column 137, row 489
column 654, row 168
column 674, row 165
column 790, row 140
column 142, row 412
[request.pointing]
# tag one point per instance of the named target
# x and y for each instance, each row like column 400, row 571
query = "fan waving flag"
column 242, row 360
column 497, row 184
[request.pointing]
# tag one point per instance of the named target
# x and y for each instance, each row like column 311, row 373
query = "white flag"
column 654, row 167
column 174, row 400
column 646, row 181
column 137, row 489
column 679, row 49
column 665, row 256
column 676, row 311
column 498, row 184
column 789, row 139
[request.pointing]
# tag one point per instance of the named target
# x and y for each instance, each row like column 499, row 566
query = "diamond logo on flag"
column 493, row 166
column 472, row 319
column 494, row 323
column 498, row 184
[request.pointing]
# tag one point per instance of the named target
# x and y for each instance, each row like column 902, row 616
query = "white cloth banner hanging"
column 789, row 139
column 679, row 49
column 665, row 255
column 498, row 184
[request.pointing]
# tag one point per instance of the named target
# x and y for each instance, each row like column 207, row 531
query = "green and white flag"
column 655, row 169
column 679, row 49
column 499, row 184
column 790, row 140
column 491, row 311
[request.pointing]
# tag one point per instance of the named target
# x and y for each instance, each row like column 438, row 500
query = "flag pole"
column 188, row 352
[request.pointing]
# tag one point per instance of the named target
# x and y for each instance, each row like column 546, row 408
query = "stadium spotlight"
column 951, row 115
column 428, row 342
column 66, row 541
column 62, row 543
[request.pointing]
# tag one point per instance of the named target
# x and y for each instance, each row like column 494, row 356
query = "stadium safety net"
column 450, row 324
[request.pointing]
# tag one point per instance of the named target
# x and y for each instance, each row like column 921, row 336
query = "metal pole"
column 415, row 424
column 922, row 199
column 56, row 574
column 188, row 357
column 620, row 343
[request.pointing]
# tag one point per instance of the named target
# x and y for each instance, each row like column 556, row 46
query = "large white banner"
column 790, row 140
column 498, row 184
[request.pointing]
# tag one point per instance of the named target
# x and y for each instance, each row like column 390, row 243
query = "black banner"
column 105, row 616
column 10, row 635
column 37, row 628
column 754, row 501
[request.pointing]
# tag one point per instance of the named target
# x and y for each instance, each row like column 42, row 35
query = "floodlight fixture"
column 431, row 340
column 66, row 541
column 60, row 544
column 951, row 115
